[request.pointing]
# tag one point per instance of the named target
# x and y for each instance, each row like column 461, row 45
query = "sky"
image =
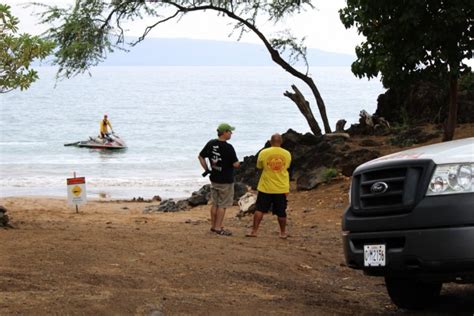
column 321, row 26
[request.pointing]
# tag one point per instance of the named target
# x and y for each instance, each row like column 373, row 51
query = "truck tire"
column 411, row 293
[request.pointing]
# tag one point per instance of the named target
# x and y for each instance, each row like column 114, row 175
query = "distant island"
column 194, row 52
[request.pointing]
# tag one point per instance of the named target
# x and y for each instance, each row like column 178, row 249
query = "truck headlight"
column 452, row 178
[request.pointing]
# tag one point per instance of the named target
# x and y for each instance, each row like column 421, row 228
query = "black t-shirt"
column 222, row 157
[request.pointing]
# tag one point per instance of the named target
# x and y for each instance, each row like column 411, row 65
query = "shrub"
column 466, row 82
column 329, row 174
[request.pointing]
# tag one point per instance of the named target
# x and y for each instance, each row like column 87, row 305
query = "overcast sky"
column 321, row 26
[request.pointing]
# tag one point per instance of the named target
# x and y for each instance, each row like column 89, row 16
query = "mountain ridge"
column 198, row 52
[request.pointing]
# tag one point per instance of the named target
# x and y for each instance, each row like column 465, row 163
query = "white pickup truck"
column 411, row 220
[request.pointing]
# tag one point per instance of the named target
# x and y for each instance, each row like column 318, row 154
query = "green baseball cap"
column 225, row 127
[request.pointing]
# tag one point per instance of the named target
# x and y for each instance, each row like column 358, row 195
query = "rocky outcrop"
column 200, row 197
column 311, row 157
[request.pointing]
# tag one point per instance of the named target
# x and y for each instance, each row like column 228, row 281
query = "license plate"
column 374, row 255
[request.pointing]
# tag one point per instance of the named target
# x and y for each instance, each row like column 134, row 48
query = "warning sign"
column 76, row 191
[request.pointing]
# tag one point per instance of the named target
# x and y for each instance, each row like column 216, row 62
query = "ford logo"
column 379, row 188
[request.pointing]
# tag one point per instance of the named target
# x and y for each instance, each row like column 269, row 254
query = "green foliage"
column 17, row 52
column 329, row 174
column 288, row 42
column 91, row 29
column 466, row 82
column 401, row 136
column 409, row 40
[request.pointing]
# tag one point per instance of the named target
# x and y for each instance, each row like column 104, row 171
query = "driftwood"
column 340, row 126
column 365, row 119
column 304, row 108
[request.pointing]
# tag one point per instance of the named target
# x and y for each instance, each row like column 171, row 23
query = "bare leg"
column 257, row 219
column 282, row 222
column 219, row 219
column 213, row 216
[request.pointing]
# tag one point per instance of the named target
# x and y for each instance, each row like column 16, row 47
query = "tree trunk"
column 453, row 109
column 304, row 108
column 320, row 103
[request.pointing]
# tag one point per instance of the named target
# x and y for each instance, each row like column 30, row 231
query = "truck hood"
column 456, row 151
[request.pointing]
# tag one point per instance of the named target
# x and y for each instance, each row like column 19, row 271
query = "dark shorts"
column 274, row 202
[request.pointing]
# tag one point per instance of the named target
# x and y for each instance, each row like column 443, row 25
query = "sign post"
column 76, row 191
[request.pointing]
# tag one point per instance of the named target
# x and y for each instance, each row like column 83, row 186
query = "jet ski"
column 110, row 141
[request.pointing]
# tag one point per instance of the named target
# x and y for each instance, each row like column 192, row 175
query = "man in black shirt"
column 223, row 160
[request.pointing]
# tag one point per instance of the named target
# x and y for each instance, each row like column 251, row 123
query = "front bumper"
column 444, row 253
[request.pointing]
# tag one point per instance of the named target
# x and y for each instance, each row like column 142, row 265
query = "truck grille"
column 390, row 187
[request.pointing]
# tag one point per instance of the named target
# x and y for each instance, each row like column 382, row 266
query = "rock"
column 340, row 136
column 247, row 204
column 240, row 189
column 349, row 288
column 203, row 196
column 168, row 205
column 156, row 198
column 369, row 143
column 200, row 197
column 4, row 217
column 311, row 179
column 151, row 209
column 353, row 159
column 182, row 205
column 248, row 172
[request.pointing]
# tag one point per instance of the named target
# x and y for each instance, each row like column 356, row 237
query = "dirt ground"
column 112, row 259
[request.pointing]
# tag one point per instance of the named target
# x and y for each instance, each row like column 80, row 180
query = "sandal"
column 223, row 232
column 215, row 230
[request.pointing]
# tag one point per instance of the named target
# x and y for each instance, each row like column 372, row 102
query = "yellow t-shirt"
column 275, row 162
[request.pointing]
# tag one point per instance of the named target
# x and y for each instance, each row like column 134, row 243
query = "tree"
column 17, row 53
column 410, row 40
column 91, row 29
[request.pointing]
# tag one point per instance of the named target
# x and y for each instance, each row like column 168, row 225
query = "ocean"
column 165, row 115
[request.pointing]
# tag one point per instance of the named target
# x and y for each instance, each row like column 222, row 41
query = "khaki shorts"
column 222, row 194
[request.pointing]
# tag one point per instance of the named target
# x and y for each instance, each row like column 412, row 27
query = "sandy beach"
column 111, row 258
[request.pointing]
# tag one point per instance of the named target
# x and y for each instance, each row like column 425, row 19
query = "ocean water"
column 165, row 114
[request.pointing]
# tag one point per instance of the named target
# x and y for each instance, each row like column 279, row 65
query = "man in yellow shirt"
column 274, row 184
column 104, row 124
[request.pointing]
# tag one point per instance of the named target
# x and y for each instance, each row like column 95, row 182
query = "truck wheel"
column 411, row 293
